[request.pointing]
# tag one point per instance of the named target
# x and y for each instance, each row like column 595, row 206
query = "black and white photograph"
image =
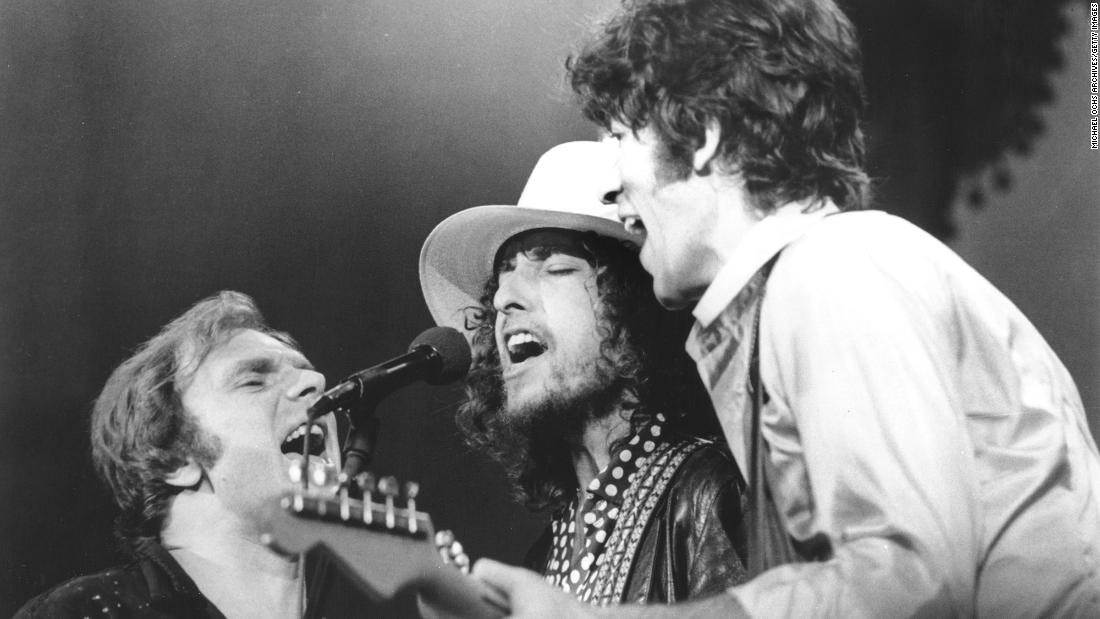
column 572, row 308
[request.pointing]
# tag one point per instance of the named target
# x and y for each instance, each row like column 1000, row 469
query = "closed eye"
column 561, row 270
column 562, row 265
column 252, row 382
column 251, row 373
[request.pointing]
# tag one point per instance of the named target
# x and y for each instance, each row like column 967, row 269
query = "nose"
column 609, row 181
column 306, row 384
column 514, row 292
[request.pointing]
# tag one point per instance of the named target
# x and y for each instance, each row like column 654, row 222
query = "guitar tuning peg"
column 412, row 489
column 342, row 482
column 451, row 550
column 322, row 476
column 366, row 483
column 444, row 538
column 388, row 486
column 296, row 471
column 462, row 561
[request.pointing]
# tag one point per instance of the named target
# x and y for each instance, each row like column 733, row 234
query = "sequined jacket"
column 694, row 542
column 154, row 586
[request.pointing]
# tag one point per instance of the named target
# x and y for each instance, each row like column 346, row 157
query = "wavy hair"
column 781, row 78
column 140, row 430
column 641, row 344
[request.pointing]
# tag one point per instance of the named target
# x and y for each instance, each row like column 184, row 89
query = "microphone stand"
column 365, row 390
column 360, row 441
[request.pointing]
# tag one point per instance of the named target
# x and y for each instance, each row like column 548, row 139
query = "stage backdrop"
column 153, row 152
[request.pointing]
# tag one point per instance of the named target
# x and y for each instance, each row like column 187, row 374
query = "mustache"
column 563, row 413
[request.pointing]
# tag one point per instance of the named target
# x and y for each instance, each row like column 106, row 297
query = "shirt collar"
column 616, row 477
column 165, row 577
column 759, row 244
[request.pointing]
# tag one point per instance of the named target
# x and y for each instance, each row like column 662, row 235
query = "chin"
column 519, row 404
column 671, row 300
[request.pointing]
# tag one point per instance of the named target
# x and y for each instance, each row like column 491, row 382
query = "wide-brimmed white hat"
column 567, row 189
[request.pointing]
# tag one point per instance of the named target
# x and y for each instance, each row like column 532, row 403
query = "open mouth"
column 298, row 443
column 634, row 225
column 523, row 345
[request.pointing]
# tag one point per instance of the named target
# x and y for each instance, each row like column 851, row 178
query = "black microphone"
column 437, row 356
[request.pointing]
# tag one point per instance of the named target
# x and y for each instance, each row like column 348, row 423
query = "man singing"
column 580, row 387
column 194, row 435
column 927, row 452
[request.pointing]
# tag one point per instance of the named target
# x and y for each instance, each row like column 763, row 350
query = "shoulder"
column 704, row 515
column 859, row 240
column 858, row 264
column 706, row 475
column 108, row 593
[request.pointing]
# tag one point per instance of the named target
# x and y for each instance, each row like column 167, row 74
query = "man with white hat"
column 581, row 388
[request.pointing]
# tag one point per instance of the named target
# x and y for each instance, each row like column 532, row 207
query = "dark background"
column 153, row 152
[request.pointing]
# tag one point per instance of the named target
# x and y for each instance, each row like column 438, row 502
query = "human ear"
column 187, row 475
column 706, row 153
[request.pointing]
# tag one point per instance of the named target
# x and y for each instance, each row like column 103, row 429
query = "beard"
column 533, row 439
column 573, row 398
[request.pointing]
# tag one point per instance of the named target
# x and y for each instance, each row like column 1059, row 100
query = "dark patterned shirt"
column 155, row 586
column 572, row 565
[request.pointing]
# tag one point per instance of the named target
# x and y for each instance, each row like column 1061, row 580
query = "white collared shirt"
column 916, row 419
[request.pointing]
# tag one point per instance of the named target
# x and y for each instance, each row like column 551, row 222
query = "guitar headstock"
column 366, row 535
column 386, row 507
column 384, row 541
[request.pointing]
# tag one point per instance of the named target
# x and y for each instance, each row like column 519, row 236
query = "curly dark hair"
column 781, row 78
column 140, row 430
column 642, row 344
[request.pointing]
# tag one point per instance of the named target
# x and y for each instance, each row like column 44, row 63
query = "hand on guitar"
column 529, row 595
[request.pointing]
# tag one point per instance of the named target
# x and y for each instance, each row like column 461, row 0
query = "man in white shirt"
column 927, row 453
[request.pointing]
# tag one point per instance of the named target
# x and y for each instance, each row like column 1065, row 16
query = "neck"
column 593, row 452
column 734, row 216
column 227, row 560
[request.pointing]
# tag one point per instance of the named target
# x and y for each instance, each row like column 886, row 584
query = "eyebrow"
column 542, row 253
column 266, row 364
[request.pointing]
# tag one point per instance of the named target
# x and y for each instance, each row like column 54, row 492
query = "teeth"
column 522, row 345
column 517, row 339
column 299, row 432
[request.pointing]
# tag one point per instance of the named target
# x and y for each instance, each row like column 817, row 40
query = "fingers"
column 503, row 576
column 529, row 596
